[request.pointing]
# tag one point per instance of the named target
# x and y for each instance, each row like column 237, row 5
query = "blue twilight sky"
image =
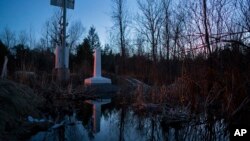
column 30, row 15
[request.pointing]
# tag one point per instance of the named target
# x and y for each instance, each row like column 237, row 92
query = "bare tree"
column 31, row 38
column 51, row 35
column 23, row 38
column 213, row 19
column 56, row 29
column 205, row 24
column 74, row 33
column 52, row 32
column 178, row 24
column 120, row 18
column 166, row 26
column 8, row 37
column 150, row 21
column 139, row 42
column 45, row 39
column 245, row 14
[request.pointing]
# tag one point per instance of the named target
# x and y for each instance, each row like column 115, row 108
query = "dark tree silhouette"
column 93, row 38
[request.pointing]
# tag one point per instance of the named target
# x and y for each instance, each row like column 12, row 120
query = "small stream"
column 99, row 120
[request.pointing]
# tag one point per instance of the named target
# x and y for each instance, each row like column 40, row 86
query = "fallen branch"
column 243, row 103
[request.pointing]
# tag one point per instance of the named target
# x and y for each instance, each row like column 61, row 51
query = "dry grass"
column 222, row 94
column 17, row 102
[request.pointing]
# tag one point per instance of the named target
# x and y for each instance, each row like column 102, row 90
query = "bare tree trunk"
column 119, row 16
column 166, row 33
column 206, row 26
column 151, row 22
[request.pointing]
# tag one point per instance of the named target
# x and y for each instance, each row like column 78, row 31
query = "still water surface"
column 97, row 121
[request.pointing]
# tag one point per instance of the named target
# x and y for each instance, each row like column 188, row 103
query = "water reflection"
column 201, row 131
column 100, row 121
column 68, row 129
column 94, row 122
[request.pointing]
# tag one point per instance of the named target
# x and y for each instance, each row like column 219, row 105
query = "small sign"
column 70, row 3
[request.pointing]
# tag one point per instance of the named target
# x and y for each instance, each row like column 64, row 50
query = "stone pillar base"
column 97, row 81
column 62, row 74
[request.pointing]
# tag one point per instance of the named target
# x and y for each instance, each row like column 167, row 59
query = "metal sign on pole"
column 70, row 3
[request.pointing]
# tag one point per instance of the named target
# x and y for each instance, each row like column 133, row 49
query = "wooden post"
column 4, row 70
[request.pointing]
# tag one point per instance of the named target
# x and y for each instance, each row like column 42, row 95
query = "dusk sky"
column 26, row 15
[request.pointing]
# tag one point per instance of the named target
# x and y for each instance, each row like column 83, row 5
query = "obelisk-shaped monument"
column 97, row 78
